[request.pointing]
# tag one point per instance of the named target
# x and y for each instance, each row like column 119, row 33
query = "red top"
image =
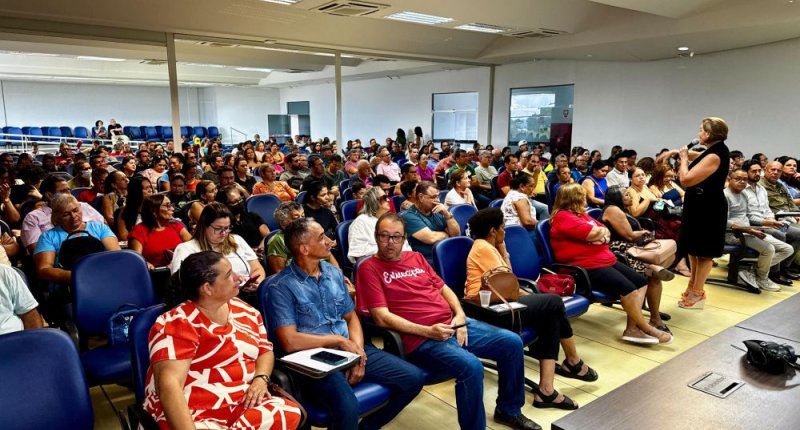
column 409, row 288
column 154, row 243
column 568, row 238
column 87, row 196
column 503, row 180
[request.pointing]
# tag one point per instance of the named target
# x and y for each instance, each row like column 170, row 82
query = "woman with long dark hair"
column 139, row 189
column 156, row 237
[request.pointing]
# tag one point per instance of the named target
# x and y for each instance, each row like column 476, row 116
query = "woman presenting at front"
column 210, row 357
column 705, row 209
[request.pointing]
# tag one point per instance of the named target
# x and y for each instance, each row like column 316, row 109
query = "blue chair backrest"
column 13, row 130
column 525, row 259
column 496, row 203
column 343, row 242
column 76, row 192
column 398, row 201
column 301, row 196
column 344, row 184
column 150, row 133
column 138, row 342
column 349, row 210
column 186, row 131
column 134, row 132
column 166, row 132
column 263, row 304
column 264, row 205
column 43, row 386
column 103, row 282
column 347, row 194
column 33, row 131
column 65, row 131
column 543, row 231
column 54, row 132
column 450, row 262
column 201, row 132
column 443, row 195
column 495, row 189
column 595, row 213
column 213, row 132
column 81, row 133
column 45, row 130
column 462, row 214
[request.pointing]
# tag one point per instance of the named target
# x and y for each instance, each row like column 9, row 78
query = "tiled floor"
column 597, row 334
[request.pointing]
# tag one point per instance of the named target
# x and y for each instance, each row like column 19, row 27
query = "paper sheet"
column 304, row 359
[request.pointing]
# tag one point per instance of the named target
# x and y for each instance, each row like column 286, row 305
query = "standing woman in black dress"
column 705, row 209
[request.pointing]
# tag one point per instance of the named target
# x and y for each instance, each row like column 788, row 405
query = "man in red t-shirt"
column 401, row 292
column 504, row 178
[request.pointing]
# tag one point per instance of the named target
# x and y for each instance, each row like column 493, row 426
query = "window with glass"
column 455, row 117
column 542, row 115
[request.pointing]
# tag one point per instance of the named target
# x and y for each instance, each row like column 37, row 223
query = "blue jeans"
column 484, row 341
column 542, row 211
column 403, row 379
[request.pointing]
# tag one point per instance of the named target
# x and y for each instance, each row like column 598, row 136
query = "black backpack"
column 78, row 244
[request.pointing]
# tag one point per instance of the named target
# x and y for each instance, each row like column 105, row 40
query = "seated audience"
column 429, row 221
column 407, row 174
column 353, row 157
column 363, row 174
column 317, row 174
column 544, row 312
column 562, row 175
column 361, row 236
column 178, row 194
column 580, row 240
column 309, row 283
column 460, row 193
column 618, row 176
column 424, row 169
column 484, row 173
column 359, row 189
column 226, row 177
column 18, row 308
column 139, row 189
column 294, row 172
column 82, row 175
column 766, row 274
column 790, row 178
column 409, row 190
column 116, row 189
column 67, row 217
column 213, row 233
column 39, row 220
column 248, row 225
column 190, row 171
column 210, row 360
column 642, row 198
column 128, row 166
column 517, row 208
column 156, row 175
column 269, row 185
column 504, row 178
column 9, row 211
column 28, row 186
column 388, row 167
column 206, row 193
column 98, row 186
column 242, row 175
column 315, row 206
column 596, row 185
column 401, row 292
column 334, row 173
column 779, row 197
column 156, row 237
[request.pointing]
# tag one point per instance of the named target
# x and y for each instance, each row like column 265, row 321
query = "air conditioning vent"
column 297, row 71
column 216, row 44
column 376, row 59
column 483, row 28
column 350, row 8
column 153, row 62
column 540, row 33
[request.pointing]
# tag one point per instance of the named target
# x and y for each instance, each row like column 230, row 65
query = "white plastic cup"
column 486, row 297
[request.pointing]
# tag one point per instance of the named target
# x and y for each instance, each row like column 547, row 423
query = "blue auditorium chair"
column 101, row 284
column 76, row 192
column 54, row 133
column 443, row 195
column 133, row 132
column 187, row 131
column 43, row 385
column 81, row 133
column 462, row 214
column 12, row 140
column 344, row 184
column 301, row 196
column 496, row 203
column 398, row 201
column 150, row 133
column 200, row 132
column 450, row 263
column 349, row 210
column 138, row 344
column 343, row 243
column 495, row 188
column 35, row 134
column 66, row 131
column 166, row 133
column 213, row 132
column 371, row 397
column 347, row 194
column 264, row 205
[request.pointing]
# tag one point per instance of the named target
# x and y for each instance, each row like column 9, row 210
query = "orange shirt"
column 278, row 188
column 482, row 257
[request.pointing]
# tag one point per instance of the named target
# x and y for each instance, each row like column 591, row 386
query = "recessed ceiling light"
column 218, row 66
column 683, row 48
column 92, row 58
column 419, row 18
column 254, row 69
column 589, row 55
column 283, row 2
column 483, row 28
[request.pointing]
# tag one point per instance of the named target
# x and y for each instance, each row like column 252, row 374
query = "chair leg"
column 732, row 278
column 492, row 366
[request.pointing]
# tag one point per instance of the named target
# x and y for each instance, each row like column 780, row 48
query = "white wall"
column 660, row 104
column 378, row 107
column 242, row 109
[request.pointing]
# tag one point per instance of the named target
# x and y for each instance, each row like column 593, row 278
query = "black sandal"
column 549, row 401
column 568, row 371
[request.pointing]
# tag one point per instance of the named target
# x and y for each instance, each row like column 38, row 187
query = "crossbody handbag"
column 504, row 286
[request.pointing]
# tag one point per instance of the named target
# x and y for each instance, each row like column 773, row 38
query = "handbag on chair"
column 660, row 252
column 503, row 284
column 556, row 283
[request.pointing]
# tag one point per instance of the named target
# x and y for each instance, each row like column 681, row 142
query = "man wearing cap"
column 522, row 147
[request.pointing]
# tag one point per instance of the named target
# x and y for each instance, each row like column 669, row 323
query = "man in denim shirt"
column 309, row 307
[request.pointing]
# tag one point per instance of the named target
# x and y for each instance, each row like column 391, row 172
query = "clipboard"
column 301, row 362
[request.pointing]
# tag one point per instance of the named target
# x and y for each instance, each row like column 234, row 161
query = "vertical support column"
column 173, row 90
column 491, row 106
column 338, row 71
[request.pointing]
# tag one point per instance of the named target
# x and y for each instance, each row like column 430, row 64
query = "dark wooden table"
column 662, row 399
column 781, row 320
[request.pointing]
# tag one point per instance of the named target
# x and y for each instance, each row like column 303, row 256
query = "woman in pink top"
column 424, row 171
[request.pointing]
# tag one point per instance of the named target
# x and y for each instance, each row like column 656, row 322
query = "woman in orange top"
column 210, row 357
column 275, row 153
column 545, row 312
column 269, row 185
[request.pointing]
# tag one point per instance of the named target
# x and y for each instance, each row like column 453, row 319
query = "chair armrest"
column 646, row 223
column 392, row 342
column 529, row 285
column 583, row 285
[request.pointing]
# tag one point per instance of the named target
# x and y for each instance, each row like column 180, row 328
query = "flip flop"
column 568, row 371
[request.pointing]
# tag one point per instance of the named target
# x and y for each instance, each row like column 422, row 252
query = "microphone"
column 693, row 143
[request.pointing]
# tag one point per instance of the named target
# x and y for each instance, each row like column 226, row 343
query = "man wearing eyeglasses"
column 429, row 221
column 400, row 291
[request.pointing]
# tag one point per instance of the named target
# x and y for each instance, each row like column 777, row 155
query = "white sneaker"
column 767, row 285
column 749, row 278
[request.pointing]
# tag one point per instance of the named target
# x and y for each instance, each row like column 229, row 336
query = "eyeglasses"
column 739, row 179
column 397, row 238
column 167, row 205
column 220, row 230
column 384, row 198
column 435, row 196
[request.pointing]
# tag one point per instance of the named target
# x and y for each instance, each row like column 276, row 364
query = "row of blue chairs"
column 57, row 134
column 164, row 132
column 42, row 134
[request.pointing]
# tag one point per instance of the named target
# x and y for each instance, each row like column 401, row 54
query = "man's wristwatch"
column 264, row 377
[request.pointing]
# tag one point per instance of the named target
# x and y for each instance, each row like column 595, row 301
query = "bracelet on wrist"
column 264, row 377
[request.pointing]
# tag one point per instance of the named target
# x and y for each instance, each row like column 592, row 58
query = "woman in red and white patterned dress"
column 210, row 359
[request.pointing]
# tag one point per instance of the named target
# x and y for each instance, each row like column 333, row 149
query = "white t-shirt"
column 452, row 198
column 15, row 299
column 239, row 259
column 361, row 238
column 510, row 211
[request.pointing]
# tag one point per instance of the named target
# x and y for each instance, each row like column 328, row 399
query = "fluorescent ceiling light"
column 419, row 18
column 483, row 28
column 283, row 2
column 253, row 69
column 92, row 58
column 218, row 66
column 683, row 48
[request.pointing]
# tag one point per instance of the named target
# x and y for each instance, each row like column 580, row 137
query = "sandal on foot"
column 549, row 401
column 663, row 327
column 638, row 336
column 663, row 337
column 569, row 371
column 698, row 303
